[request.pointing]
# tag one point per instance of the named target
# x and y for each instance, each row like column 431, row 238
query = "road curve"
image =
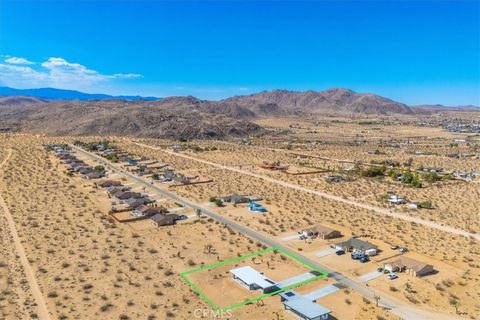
column 42, row 310
column 397, row 307
column 376, row 210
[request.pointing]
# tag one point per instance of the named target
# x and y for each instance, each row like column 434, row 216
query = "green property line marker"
column 322, row 275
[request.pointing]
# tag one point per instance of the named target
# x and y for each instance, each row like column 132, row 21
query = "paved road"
column 42, row 311
column 373, row 209
column 395, row 306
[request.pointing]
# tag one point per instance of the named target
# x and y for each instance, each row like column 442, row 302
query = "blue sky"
column 413, row 52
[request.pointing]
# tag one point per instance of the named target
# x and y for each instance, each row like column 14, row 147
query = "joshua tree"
column 209, row 249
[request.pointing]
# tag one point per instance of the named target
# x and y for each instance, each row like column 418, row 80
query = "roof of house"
column 94, row 174
column 234, row 198
column 409, row 263
column 151, row 210
column 108, row 183
column 289, row 295
column 164, row 219
column 306, row 307
column 320, row 229
column 357, row 244
column 251, row 276
column 134, row 201
column 126, row 195
column 115, row 189
column 84, row 170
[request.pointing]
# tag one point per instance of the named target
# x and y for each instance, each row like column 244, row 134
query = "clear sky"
column 413, row 52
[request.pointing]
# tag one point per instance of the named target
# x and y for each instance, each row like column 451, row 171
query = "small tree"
column 100, row 167
column 219, row 202
column 427, row 204
column 209, row 249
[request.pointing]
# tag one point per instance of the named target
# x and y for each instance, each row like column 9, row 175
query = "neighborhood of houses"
column 363, row 251
column 140, row 206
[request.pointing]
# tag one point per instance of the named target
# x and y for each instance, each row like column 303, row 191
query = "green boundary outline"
column 184, row 274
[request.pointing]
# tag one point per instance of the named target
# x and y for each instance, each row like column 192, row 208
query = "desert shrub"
column 427, row 204
column 373, row 171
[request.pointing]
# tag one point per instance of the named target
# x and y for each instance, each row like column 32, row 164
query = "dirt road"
column 373, row 209
column 42, row 311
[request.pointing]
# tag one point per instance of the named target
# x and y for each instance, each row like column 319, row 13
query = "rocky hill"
column 116, row 117
column 334, row 101
column 184, row 117
column 20, row 101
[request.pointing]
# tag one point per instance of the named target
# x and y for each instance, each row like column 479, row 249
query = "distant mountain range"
column 67, row 112
column 61, row 94
column 265, row 103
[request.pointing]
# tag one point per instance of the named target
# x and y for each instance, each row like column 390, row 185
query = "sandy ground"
column 88, row 265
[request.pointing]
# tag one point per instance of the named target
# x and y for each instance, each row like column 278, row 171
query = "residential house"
column 273, row 166
column 395, row 199
column 357, row 245
column 94, row 175
column 146, row 211
column 235, row 198
column 433, row 169
column 109, row 183
column 177, row 148
column 133, row 203
column 250, row 278
column 323, row 232
column 303, row 307
column 113, row 190
column 84, row 170
column 334, row 178
column 172, row 176
column 410, row 266
column 123, row 195
column 161, row 220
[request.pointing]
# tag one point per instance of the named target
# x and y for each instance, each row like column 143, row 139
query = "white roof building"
column 396, row 199
column 251, row 278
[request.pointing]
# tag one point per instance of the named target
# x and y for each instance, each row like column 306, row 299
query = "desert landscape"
column 239, row 160
column 91, row 254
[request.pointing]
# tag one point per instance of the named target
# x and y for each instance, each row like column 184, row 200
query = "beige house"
column 323, row 232
column 411, row 266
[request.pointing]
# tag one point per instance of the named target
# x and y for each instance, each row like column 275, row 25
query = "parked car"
column 380, row 270
column 357, row 256
column 339, row 252
column 182, row 217
column 392, row 276
column 394, row 247
column 403, row 250
column 364, row 259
